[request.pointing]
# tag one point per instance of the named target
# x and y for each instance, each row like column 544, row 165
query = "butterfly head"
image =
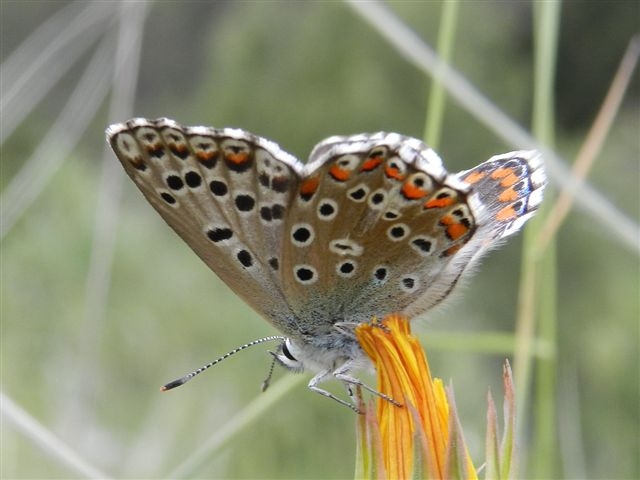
column 286, row 357
column 322, row 353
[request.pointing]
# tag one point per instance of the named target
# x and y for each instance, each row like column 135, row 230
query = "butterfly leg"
column 322, row 376
column 342, row 373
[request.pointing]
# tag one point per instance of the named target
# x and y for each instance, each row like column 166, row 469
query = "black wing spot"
column 397, row 232
column 377, row 198
column 358, row 194
column 168, row 198
column 174, row 182
column 193, row 179
column 245, row 258
column 219, row 234
column 245, row 203
column 218, row 188
column 423, row 244
column 326, row 209
column 380, row 273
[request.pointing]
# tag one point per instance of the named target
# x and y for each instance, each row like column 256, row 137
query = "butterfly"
column 372, row 224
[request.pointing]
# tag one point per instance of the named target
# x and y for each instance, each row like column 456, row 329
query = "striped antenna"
column 189, row 376
column 267, row 381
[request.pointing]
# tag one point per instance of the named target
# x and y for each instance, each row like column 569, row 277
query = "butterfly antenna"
column 267, row 381
column 189, row 376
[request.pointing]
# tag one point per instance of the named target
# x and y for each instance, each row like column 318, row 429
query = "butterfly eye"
column 287, row 353
column 287, row 358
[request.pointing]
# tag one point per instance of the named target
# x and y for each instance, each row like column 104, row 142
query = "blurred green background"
column 88, row 367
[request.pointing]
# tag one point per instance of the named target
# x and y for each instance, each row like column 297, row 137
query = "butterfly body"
column 372, row 224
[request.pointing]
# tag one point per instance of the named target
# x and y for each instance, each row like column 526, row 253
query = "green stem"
column 437, row 98
column 537, row 305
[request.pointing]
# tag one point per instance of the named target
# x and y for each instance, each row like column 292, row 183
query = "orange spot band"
column 501, row 172
column 509, row 195
column 456, row 230
column 451, row 250
column 370, row 164
column 474, row 177
column 238, row 158
column 412, row 192
column 393, row 173
column 447, row 220
column 204, row 156
column 509, row 180
column 339, row 174
column 439, row 202
column 309, row 186
column 507, row 213
column 178, row 147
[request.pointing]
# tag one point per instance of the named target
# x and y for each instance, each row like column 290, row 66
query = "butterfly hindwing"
column 509, row 186
column 506, row 191
column 382, row 220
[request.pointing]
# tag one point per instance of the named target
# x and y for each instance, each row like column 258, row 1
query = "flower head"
column 421, row 439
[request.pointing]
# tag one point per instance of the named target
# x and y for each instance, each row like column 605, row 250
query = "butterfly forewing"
column 213, row 187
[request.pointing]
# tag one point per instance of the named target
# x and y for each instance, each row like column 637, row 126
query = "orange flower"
column 421, row 439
